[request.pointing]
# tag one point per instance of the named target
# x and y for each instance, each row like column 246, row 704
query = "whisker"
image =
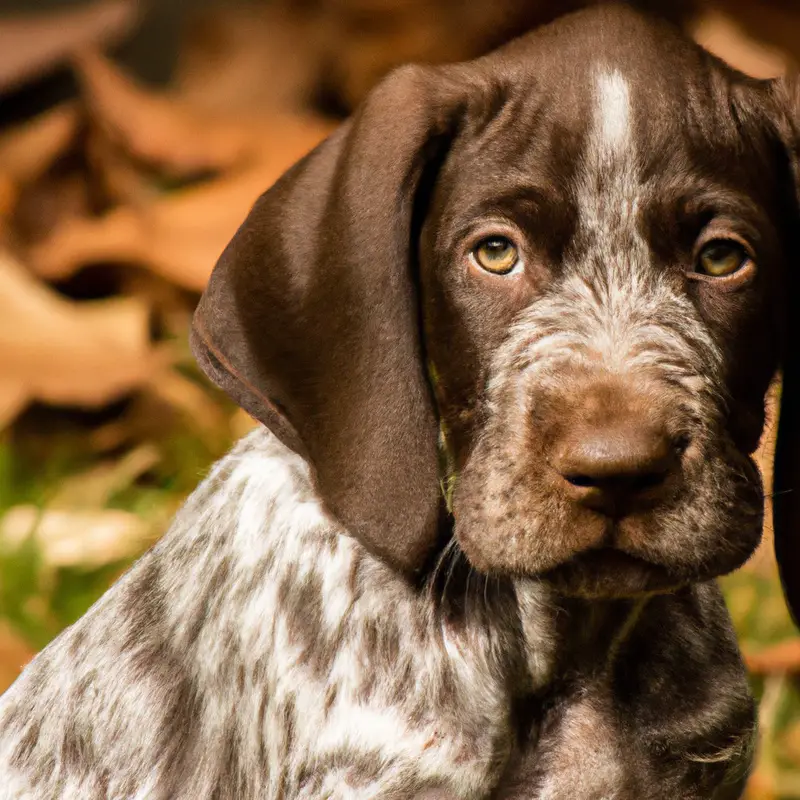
column 455, row 554
column 769, row 495
column 467, row 594
column 440, row 561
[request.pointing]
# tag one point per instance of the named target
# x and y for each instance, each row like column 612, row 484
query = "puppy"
column 508, row 332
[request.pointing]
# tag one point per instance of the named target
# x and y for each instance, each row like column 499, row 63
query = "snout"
column 619, row 467
column 621, row 484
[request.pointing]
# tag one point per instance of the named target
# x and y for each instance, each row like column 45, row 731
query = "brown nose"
column 613, row 469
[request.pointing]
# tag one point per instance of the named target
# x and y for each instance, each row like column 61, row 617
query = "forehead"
column 633, row 101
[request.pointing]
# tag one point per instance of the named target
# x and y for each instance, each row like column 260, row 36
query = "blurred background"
column 133, row 139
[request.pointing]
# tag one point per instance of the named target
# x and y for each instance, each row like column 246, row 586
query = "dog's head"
column 555, row 281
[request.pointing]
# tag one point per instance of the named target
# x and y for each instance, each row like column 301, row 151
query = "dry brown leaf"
column 76, row 538
column 724, row 36
column 763, row 562
column 30, row 198
column 761, row 786
column 33, row 43
column 197, row 407
column 180, row 235
column 8, row 197
column 790, row 742
column 242, row 423
column 763, row 781
column 60, row 195
column 122, row 180
column 27, row 150
column 13, row 399
column 59, row 351
column 159, row 129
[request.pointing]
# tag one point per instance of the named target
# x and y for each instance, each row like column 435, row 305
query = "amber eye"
column 496, row 254
column 722, row 257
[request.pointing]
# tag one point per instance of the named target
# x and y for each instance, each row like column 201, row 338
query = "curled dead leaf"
column 763, row 561
column 31, row 197
column 8, row 196
column 228, row 50
column 179, row 235
column 13, row 399
column 196, row 405
column 120, row 178
column 242, row 423
column 59, row 351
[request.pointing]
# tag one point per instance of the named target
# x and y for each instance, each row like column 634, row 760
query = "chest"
column 392, row 697
column 351, row 680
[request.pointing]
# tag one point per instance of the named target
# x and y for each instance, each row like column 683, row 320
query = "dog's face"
column 598, row 293
column 564, row 268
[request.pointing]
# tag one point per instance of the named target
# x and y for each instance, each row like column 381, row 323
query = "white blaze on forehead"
column 612, row 113
column 610, row 187
column 609, row 194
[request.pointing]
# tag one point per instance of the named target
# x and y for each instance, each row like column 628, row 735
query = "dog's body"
column 313, row 624
column 274, row 657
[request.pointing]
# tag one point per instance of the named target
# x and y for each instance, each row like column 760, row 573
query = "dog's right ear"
column 784, row 106
column 311, row 318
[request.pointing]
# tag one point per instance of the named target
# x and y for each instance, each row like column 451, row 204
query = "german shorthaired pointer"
column 508, row 332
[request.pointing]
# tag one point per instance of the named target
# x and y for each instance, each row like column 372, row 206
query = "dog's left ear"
column 311, row 317
column 784, row 101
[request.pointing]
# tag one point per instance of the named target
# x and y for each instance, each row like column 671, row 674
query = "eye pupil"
column 720, row 252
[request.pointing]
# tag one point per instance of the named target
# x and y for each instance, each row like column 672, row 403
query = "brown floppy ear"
column 311, row 319
column 786, row 481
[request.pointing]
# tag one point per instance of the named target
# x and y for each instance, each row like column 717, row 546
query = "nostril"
column 636, row 482
column 583, row 481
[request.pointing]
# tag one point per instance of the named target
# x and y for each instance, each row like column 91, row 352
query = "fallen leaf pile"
column 113, row 210
column 125, row 181
column 141, row 143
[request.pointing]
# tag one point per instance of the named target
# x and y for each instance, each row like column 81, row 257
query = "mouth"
column 610, row 573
